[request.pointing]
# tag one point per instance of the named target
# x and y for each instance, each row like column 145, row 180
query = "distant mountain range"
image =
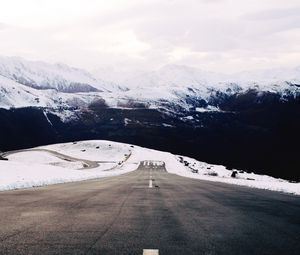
column 249, row 120
column 172, row 87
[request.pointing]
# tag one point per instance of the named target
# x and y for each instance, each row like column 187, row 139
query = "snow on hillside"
column 14, row 94
column 27, row 168
column 43, row 158
column 220, row 173
column 173, row 78
column 174, row 83
column 93, row 150
column 36, row 168
column 42, row 75
column 170, row 87
column 270, row 76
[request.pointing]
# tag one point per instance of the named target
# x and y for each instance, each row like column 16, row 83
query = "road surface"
column 148, row 209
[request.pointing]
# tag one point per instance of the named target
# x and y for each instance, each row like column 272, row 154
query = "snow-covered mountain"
column 269, row 76
column 175, row 108
column 14, row 94
column 184, row 86
column 186, row 76
column 41, row 75
column 172, row 87
column 188, row 87
column 175, row 77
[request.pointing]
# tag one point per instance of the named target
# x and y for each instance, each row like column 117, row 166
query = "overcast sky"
column 217, row 35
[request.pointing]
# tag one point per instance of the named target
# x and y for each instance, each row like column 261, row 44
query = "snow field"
column 37, row 168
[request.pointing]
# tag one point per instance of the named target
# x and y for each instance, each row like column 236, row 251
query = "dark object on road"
column 97, row 147
column 250, row 179
column 195, row 171
column 234, row 173
column 83, row 150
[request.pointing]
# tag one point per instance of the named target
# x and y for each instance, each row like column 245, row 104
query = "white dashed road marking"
column 150, row 183
column 150, row 252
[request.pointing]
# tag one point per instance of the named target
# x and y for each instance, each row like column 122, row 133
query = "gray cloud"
column 3, row 26
column 216, row 34
column 272, row 14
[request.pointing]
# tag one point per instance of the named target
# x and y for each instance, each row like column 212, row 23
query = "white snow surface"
column 27, row 169
column 16, row 95
column 42, row 75
column 37, row 168
column 93, row 150
column 42, row 158
column 207, row 109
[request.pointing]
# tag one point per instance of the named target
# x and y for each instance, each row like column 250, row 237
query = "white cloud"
column 222, row 35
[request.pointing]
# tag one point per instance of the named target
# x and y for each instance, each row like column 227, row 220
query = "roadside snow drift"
column 77, row 161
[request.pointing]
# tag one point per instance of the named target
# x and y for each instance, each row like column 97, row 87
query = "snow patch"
column 209, row 108
column 31, row 168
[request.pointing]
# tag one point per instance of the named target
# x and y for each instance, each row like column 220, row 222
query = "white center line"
column 150, row 183
column 150, row 179
column 150, row 252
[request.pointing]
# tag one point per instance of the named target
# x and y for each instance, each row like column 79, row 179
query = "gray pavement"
column 123, row 215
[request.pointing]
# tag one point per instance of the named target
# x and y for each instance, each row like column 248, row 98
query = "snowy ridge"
column 31, row 168
column 14, row 94
column 26, row 83
column 175, row 79
column 172, row 84
column 41, row 75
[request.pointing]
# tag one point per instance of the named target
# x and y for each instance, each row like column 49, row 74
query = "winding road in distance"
column 148, row 211
column 87, row 164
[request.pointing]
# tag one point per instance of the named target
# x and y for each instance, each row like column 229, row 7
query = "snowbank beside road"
column 27, row 168
column 219, row 173
column 15, row 175
column 215, row 173
column 36, row 168
column 93, row 150
column 42, row 157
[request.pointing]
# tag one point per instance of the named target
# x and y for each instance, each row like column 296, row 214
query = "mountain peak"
column 42, row 75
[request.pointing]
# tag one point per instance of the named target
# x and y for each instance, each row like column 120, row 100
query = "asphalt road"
column 122, row 215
